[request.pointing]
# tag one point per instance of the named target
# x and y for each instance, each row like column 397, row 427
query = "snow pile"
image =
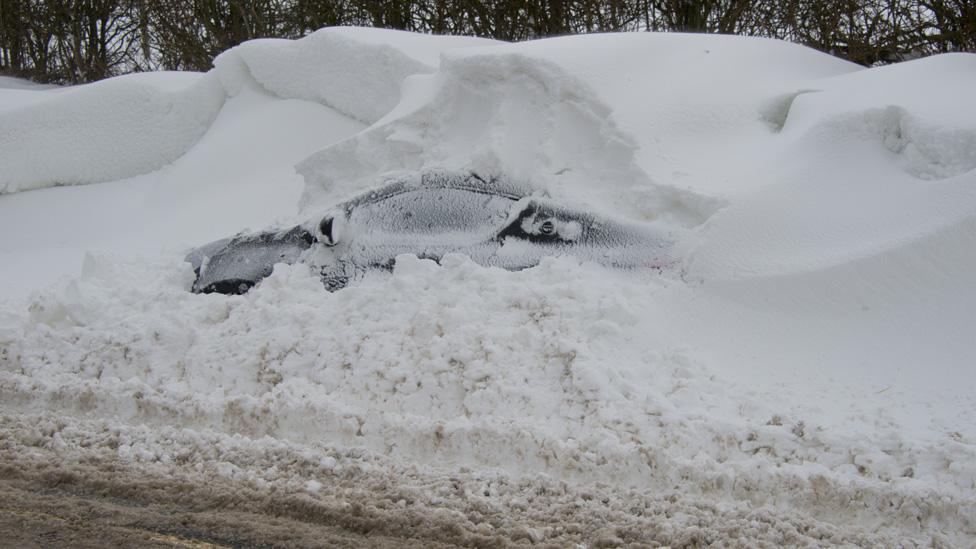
column 810, row 352
column 104, row 131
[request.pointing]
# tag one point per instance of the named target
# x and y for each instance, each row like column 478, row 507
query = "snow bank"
column 356, row 71
column 103, row 131
column 571, row 374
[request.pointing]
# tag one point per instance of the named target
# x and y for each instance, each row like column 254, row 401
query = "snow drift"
column 103, row 131
column 135, row 124
column 358, row 72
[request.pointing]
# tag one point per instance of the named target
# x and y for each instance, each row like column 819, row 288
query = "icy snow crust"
column 807, row 363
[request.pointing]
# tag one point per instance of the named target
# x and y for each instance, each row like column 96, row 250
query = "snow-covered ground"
column 806, row 374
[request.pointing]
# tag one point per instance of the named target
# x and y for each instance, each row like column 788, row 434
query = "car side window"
column 426, row 211
column 540, row 224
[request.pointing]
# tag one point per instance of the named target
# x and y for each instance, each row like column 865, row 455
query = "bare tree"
column 85, row 40
column 951, row 25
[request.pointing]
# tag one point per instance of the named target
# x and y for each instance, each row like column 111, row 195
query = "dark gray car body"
column 496, row 222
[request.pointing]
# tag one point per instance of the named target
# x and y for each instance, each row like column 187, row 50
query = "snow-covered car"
column 496, row 222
